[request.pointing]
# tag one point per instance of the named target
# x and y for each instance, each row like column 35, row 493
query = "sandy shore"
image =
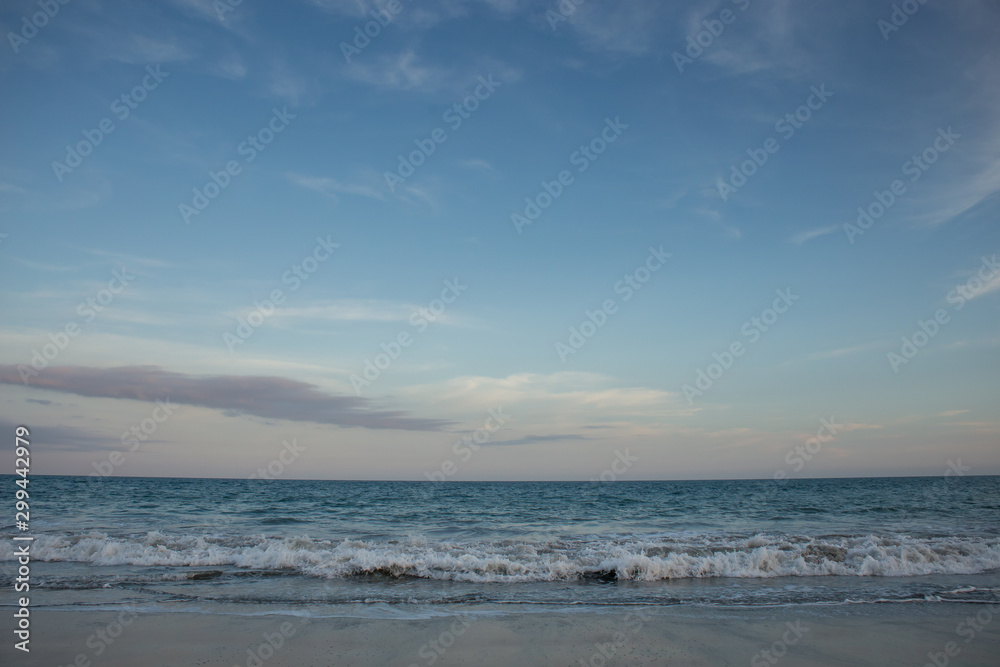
column 877, row 635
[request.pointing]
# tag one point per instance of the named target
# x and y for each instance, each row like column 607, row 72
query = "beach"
column 878, row 635
column 249, row 573
column 500, row 332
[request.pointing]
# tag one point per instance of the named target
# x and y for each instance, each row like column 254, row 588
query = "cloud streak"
column 332, row 187
column 58, row 438
column 809, row 234
column 261, row 396
column 535, row 439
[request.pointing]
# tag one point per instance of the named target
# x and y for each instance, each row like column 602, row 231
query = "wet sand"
column 877, row 635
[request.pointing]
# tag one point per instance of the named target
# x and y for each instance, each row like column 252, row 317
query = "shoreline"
column 877, row 635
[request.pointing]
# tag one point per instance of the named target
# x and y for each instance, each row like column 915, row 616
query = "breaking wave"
column 635, row 558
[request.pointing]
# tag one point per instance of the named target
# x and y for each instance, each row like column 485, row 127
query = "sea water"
column 412, row 549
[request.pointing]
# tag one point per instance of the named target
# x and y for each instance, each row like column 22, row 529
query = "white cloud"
column 400, row 72
column 10, row 188
column 422, row 15
column 333, row 187
column 286, row 84
column 809, row 234
column 952, row 199
column 354, row 310
column 991, row 285
column 130, row 260
column 136, row 49
column 230, row 67
column 625, row 27
column 477, row 163
column 39, row 266
column 844, row 351
column 558, row 400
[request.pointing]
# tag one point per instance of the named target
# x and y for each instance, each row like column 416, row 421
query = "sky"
column 501, row 239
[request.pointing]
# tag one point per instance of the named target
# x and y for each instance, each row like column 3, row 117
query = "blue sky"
column 590, row 93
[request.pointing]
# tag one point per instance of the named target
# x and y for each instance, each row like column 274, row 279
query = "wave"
column 632, row 558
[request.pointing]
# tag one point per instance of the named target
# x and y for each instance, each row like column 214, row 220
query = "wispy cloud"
column 230, row 67
column 267, row 397
column 130, row 260
column 40, row 266
column 61, row 438
column 947, row 202
column 810, row 234
column 362, row 310
column 414, row 195
column 424, row 15
column 991, row 285
column 576, row 397
column 10, row 188
column 762, row 40
column 400, row 72
column 859, row 426
column 477, row 163
column 971, row 175
column 535, row 439
column 284, row 82
column 629, row 28
column 332, row 187
column 351, row 8
column 983, row 343
column 353, row 310
column 841, row 352
column 136, row 49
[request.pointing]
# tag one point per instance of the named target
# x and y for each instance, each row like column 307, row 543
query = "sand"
column 877, row 635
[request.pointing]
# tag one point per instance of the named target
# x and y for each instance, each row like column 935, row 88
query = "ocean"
column 419, row 549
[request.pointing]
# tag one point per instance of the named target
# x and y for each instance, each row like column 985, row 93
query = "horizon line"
column 517, row 481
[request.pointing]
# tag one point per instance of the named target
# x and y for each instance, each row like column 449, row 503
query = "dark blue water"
column 331, row 547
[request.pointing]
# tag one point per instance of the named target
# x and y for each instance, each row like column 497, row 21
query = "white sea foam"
column 640, row 558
